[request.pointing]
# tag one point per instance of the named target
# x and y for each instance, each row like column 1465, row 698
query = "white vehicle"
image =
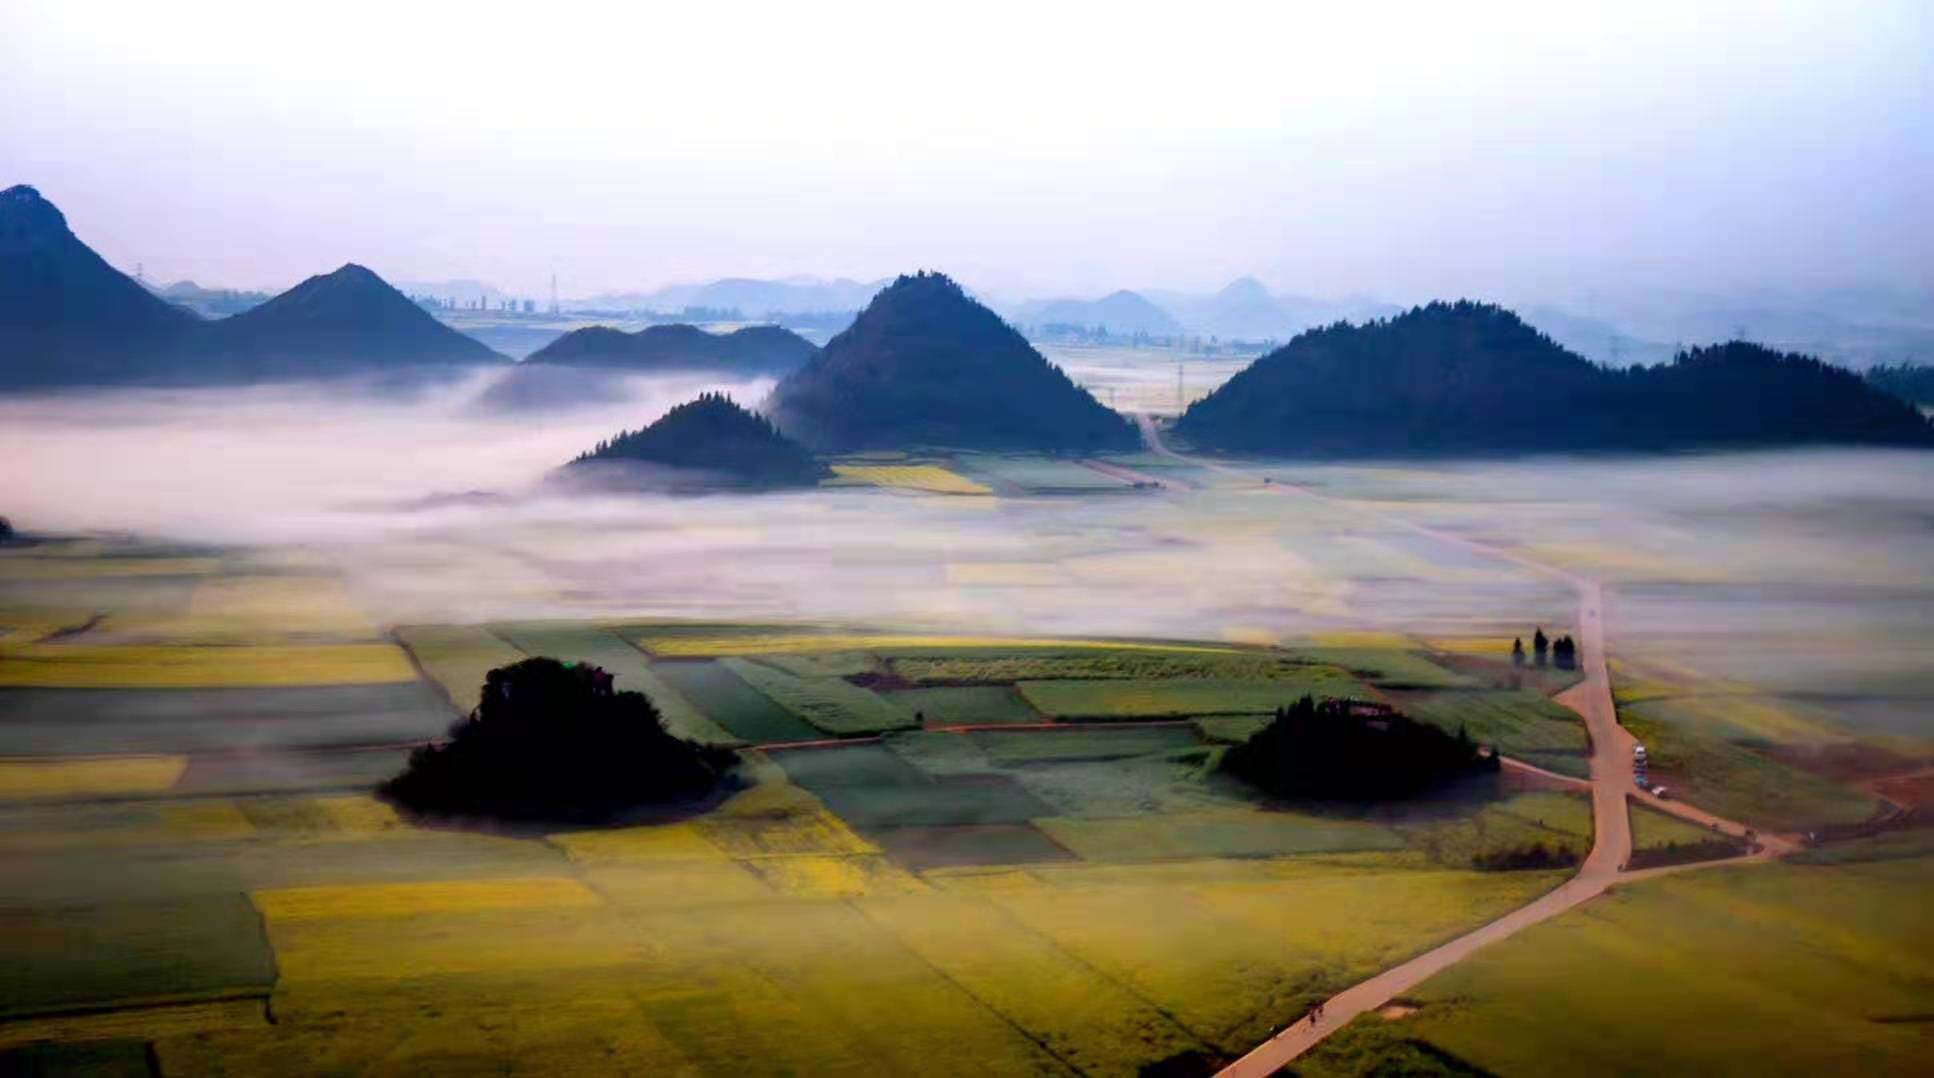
column 1660, row 792
column 1638, row 752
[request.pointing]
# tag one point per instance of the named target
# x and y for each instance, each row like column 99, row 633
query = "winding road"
column 1611, row 784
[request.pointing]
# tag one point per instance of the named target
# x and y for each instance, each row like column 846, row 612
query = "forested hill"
column 1472, row 378
column 749, row 350
column 710, row 441
column 924, row 364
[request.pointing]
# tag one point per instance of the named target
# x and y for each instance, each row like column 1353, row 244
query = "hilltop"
column 335, row 323
column 749, row 350
column 68, row 318
column 1472, row 378
column 924, row 364
column 707, row 442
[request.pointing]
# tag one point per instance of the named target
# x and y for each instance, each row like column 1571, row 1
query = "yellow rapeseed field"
column 292, row 905
column 657, row 842
column 837, row 877
column 930, row 478
column 74, row 666
column 69, row 776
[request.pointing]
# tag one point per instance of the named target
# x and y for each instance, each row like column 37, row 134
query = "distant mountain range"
column 209, row 302
column 751, row 297
column 1121, row 313
column 925, row 365
column 1470, row 378
column 67, row 318
column 707, row 443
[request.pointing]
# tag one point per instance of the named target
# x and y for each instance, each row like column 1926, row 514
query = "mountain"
column 210, row 302
column 344, row 322
column 1470, row 378
column 750, row 350
column 709, row 442
column 752, row 297
column 1246, row 310
column 926, row 365
column 1121, row 313
column 66, row 316
column 464, row 292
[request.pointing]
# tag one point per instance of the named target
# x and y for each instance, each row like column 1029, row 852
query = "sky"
column 1404, row 151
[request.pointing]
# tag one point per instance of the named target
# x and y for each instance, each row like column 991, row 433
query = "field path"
column 1611, row 783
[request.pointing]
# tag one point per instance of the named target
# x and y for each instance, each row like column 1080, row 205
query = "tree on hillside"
column 555, row 742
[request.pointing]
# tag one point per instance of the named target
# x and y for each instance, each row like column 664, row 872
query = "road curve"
column 1611, row 783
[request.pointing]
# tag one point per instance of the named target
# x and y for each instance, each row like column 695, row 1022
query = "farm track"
column 1611, row 785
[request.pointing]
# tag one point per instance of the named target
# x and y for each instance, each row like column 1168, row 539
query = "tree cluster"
column 554, row 742
column 1531, row 855
column 1352, row 750
column 1911, row 382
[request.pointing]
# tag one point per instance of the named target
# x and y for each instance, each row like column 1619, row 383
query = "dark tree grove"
column 1352, row 750
column 553, row 742
column 1540, row 646
column 677, row 346
column 1911, row 382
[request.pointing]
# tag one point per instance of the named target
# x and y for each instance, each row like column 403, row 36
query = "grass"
column 829, row 664
column 1652, row 829
column 1521, row 723
column 458, row 657
column 1063, row 746
column 1775, row 969
column 966, row 705
column 927, row 478
column 1555, row 819
column 836, row 707
column 1140, row 698
column 64, row 665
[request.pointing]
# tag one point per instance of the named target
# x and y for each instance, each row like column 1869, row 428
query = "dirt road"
column 1611, row 784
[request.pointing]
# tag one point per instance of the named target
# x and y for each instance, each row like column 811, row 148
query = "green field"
column 966, row 705
column 1521, row 723
column 1126, row 698
column 1740, row 782
column 834, row 706
column 1764, row 968
column 970, row 667
column 60, row 957
column 727, row 700
column 457, row 657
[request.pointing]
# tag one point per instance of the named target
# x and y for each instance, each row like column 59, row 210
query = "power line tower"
column 1178, row 389
column 553, row 293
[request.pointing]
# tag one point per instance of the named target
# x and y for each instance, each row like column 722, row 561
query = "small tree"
column 1540, row 646
column 1517, row 651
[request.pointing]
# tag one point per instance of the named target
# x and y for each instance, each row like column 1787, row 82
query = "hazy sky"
column 1408, row 150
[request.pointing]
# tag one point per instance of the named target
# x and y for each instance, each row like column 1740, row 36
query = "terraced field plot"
column 738, row 708
column 1136, row 698
column 966, row 705
column 1522, row 724
column 833, row 706
column 457, row 657
column 68, row 956
column 80, row 666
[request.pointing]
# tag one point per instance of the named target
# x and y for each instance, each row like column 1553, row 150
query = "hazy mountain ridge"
column 69, row 318
column 678, row 346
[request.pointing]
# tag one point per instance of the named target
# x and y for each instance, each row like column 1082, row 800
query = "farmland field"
column 1799, row 970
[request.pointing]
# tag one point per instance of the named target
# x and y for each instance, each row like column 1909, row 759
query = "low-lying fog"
column 1784, row 564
